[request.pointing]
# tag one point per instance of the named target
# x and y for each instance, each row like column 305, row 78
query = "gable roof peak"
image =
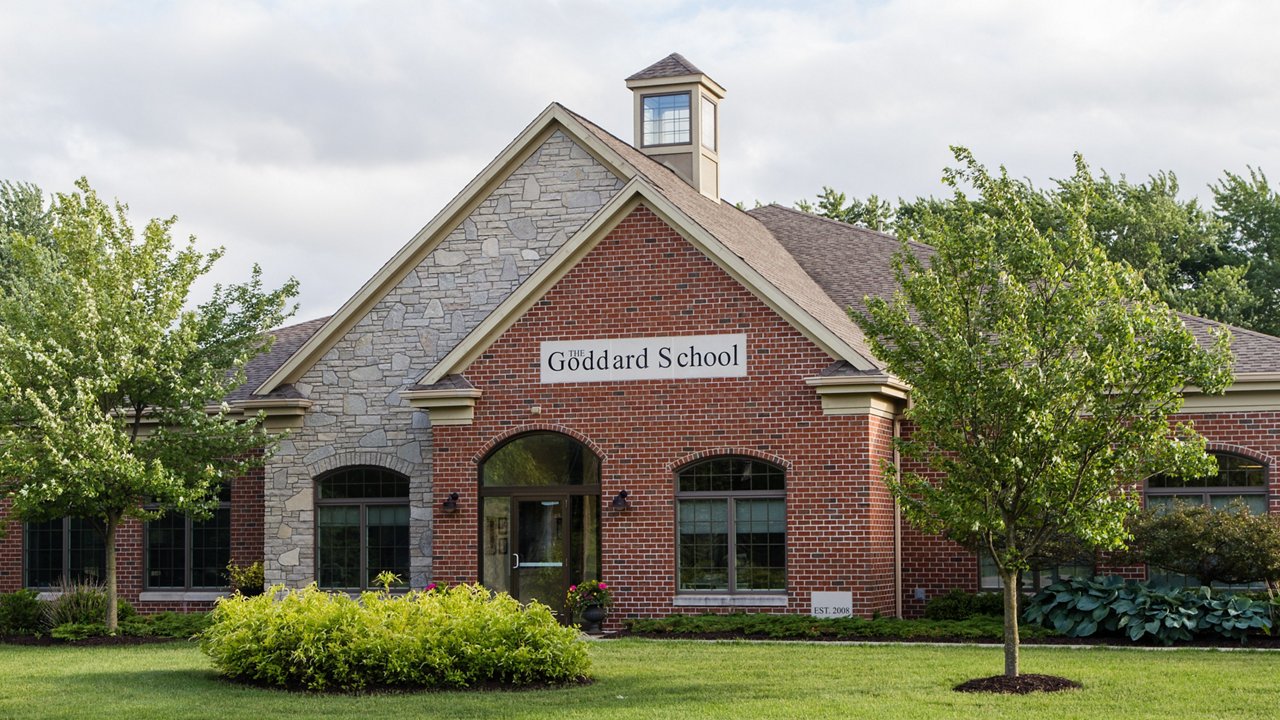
column 673, row 65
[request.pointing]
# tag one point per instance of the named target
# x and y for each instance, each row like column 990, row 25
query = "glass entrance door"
column 540, row 564
column 534, row 548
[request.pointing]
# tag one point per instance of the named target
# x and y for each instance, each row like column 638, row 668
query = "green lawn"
column 674, row 679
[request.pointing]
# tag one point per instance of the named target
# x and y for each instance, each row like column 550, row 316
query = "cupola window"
column 667, row 119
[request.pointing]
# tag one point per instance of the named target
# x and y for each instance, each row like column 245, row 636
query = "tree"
column 1212, row 264
column 23, row 213
column 1249, row 211
column 1042, row 378
column 111, row 384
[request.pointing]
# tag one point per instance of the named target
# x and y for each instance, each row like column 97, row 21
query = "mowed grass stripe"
column 673, row 679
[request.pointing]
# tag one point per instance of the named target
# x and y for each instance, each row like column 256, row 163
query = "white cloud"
column 316, row 138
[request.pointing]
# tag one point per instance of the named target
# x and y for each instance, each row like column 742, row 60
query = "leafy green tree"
column 23, row 213
column 1213, row 264
column 111, row 383
column 1043, row 376
column 1249, row 211
column 873, row 212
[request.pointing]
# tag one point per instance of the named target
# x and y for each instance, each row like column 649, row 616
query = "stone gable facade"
column 357, row 416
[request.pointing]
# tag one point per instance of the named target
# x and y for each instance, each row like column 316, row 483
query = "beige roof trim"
column 636, row 192
column 420, row 246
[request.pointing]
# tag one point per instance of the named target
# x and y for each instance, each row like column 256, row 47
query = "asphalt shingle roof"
column 288, row 340
column 673, row 65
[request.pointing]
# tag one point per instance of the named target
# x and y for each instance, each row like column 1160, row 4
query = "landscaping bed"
column 977, row 629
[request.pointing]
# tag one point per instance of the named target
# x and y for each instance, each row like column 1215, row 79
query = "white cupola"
column 677, row 120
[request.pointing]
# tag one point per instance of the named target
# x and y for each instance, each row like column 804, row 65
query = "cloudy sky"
column 316, row 138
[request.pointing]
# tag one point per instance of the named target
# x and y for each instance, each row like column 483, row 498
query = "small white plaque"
column 832, row 604
column 651, row 358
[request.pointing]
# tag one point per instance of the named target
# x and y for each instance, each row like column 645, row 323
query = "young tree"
column 111, row 385
column 1042, row 374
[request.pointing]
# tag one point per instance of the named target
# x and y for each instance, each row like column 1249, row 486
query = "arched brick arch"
column 346, row 459
column 1228, row 448
column 722, row 451
column 498, row 439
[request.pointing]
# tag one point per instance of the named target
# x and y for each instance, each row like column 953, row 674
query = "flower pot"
column 592, row 616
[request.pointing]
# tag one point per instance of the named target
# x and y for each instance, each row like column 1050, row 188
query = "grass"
column 673, row 679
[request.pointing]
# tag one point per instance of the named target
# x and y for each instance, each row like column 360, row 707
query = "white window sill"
column 729, row 601
column 181, row 595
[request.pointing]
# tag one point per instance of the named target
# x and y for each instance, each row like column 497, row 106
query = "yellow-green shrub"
column 458, row 637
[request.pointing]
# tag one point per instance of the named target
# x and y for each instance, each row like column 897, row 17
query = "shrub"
column 1079, row 608
column 183, row 626
column 81, row 603
column 71, row 632
column 444, row 638
column 961, row 605
column 803, row 627
column 1229, row 546
column 21, row 613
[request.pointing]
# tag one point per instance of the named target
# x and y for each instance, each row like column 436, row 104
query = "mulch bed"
column 45, row 640
column 1020, row 685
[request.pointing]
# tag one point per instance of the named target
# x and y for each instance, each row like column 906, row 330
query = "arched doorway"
column 539, row 517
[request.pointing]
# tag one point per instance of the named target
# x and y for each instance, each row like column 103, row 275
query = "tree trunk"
column 1010, row 580
column 112, row 623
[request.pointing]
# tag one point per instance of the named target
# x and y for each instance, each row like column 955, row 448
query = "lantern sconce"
column 620, row 501
column 450, row 503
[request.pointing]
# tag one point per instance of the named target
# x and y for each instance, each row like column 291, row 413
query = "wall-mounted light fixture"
column 450, row 503
column 620, row 501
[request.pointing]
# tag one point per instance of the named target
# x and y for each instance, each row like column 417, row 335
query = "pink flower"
column 573, row 588
column 603, row 586
column 431, row 586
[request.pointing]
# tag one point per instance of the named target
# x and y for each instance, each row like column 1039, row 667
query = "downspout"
column 897, row 523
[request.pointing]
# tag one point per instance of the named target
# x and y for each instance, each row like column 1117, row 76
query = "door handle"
column 517, row 557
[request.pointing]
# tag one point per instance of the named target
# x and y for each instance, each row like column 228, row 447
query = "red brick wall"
column 246, row 546
column 10, row 550
column 643, row 279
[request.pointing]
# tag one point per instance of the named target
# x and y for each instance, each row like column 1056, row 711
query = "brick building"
column 588, row 365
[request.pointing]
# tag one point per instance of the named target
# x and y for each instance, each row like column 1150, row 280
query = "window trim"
column 730, row 496
column 689, row 142
column 363, row 505
column 187, row 554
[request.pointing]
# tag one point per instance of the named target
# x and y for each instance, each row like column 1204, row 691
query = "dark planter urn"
column 592, row 616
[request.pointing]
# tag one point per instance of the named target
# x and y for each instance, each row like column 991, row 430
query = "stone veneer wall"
column 358, row 417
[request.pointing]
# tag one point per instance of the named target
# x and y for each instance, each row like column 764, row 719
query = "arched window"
column 540, row 459
column 1238, row 479
column 362, row 526
column 731, row 526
